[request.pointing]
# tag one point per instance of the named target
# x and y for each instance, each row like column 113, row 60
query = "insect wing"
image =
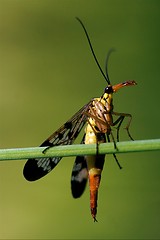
column 36, row 168
column 79, row 175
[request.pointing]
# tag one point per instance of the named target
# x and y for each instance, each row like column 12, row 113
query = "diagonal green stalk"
column 80, row 149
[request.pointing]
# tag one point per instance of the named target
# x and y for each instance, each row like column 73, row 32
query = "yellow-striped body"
column 99, row 126
column 95, row 134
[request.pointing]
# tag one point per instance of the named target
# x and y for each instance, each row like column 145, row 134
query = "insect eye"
column 108, row 89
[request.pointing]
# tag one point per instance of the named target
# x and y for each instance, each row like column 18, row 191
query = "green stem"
column 81, row 149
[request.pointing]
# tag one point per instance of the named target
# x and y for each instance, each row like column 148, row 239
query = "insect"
column 98, row 116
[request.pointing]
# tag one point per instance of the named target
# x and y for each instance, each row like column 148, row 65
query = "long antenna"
column 106, row 65
column 89, row 41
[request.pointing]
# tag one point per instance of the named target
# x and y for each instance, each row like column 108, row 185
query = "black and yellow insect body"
column 99, row 123
column 98, row 115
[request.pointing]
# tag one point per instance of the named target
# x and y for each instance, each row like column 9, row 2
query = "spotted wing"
column 36, row 168
column 79, row 175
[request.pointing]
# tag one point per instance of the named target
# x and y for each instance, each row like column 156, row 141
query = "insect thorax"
column 100, row 117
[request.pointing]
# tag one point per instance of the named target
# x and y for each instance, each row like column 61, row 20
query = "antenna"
column 95, row 58
column 106, row 65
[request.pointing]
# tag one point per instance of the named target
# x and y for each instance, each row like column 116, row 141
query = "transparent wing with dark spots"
column 79, row 175
column 36, row 168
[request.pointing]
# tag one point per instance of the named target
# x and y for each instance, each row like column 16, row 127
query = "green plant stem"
column 80, row 149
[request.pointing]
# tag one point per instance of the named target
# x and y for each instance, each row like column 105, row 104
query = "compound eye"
column 108, row 89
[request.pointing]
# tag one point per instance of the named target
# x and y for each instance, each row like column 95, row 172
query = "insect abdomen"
column 95, row 166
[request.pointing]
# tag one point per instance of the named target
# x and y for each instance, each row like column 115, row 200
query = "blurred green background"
column 47, row 73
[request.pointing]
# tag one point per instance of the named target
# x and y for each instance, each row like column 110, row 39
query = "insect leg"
column 120, row 120
column 114, row 155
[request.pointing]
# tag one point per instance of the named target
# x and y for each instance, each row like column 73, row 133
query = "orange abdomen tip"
column 94, row 181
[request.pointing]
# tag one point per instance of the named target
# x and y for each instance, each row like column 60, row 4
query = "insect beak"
column 120, row 85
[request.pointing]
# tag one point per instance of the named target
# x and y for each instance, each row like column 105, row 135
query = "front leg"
column 119, row 122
